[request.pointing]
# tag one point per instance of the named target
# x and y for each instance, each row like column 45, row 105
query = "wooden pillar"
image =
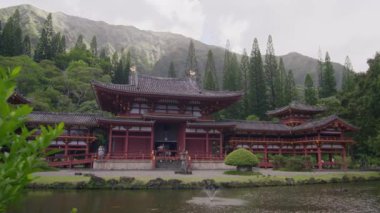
column 126, row 141
column 109, row 141
column 280, row 149
column 220, row 144
column 152, row 138
column 319, row 156
column 304, row 150
column 87, row 147
column 344, row 157
column 66, row 148
column 266, row 154
column 207, row 142
column 294, row 149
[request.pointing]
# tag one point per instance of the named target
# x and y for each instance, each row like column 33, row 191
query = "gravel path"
column 196, row 173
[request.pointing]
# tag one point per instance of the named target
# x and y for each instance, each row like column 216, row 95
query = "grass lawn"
column 222, row 178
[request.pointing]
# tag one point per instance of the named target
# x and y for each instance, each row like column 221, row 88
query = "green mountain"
column 151, row 51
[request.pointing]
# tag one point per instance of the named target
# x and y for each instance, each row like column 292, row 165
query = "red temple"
column 155, row 119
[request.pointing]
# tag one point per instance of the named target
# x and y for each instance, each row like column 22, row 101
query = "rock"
column 155, row 183
column 96, row 182
column 126, row 180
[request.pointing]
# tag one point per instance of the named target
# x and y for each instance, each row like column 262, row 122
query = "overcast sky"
column 341, row 27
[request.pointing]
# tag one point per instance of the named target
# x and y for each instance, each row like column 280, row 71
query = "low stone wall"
column 207, row 164
column 123, row 164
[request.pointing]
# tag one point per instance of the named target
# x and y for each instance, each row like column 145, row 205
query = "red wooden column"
column 126, row 140
column 109, row 141
column 207, row 142
column 220, row 144
column 319, row 155
column 152, row 138
column 304, row 150
column 266, row 155
column 280, row 149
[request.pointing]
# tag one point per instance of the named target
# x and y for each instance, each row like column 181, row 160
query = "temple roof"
column 68, row 118
column 175, row 87
column 296, row 107
column 17, row 98
column 267, row 126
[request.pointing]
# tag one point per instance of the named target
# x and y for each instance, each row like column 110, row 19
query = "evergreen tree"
column 232, row 78
column 94, row 46
column 58, row 44
column 280, row 84
column 244, row 69
column 12, row 42
column 80, row 43
column 192, row 64
column 257, row 90
column 127, row 64
column 348, row 76
column 329, row 83
column 271, row 73
column 62, row 46
column 1, row 38
column 45, row 48
column 27, row 49
column 172, row 73
column 290, row 88
column 210, row 81
column 320, row 72
column 310, row 93
column 226, row 66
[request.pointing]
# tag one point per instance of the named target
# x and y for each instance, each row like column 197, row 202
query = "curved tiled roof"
column 66, row 118
column 279, row 127
column 178, row 87
column 295, row 106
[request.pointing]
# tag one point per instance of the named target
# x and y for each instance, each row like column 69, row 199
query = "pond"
column 353, row 197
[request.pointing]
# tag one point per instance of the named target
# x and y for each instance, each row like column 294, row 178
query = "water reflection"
column 358, row 197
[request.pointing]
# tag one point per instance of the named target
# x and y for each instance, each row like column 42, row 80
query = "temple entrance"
column 165, row 139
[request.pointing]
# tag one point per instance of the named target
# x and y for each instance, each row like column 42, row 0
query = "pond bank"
column 133, row 180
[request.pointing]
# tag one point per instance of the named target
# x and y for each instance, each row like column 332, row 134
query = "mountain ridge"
column 152, row 51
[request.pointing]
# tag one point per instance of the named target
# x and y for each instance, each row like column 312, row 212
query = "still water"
column 354, row 197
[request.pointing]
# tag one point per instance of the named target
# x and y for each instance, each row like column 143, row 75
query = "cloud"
column 231, row 28
column 180, row 16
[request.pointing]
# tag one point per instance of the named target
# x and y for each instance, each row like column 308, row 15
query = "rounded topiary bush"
column 243, row 159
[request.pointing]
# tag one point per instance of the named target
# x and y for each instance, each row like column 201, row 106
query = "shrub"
column 279, row 161
column 241, row 157
column 295, row 164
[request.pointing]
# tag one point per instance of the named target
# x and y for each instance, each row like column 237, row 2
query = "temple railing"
column 129, row 156
column 70, row 160
column 293, row 140
column 204, row 156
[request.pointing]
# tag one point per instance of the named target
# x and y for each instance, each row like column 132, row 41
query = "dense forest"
column 58, row 79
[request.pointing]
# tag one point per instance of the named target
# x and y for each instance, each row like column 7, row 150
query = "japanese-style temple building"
column 157, row 119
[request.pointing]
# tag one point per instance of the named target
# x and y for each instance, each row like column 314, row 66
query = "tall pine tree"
column 348, row 76
column 80, row 43
column 244, row 70
column 210, row 81
column 27, row 48
column 192, row 64
column 12, row 42
column 257, row 90
column 172, row 73
column 45, row 49
column 320, row 73
column 271, row 73
column 280, row 84
column 329, row 82
column 94, row 46
column 310, row 92
column 226, row 65
column 290, row 88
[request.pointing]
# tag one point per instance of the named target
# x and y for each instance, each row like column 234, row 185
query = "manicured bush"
column 295, row 164
column 241, row 158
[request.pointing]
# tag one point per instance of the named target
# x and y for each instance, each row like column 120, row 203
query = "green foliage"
column 348, row 76
column 19, row 154
column 210, row 81
column 94, row 46
column 252, row 118
column 293, row 163
column 257, row 89
column 310, row 92
column 271, row 74
column 329, row 83
column 192, row 64
column 244, row 71
column 281, row 82
column 11, row 37
column 121, row 73
column 241, row 157
column 290, row 88
column 80, row 43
